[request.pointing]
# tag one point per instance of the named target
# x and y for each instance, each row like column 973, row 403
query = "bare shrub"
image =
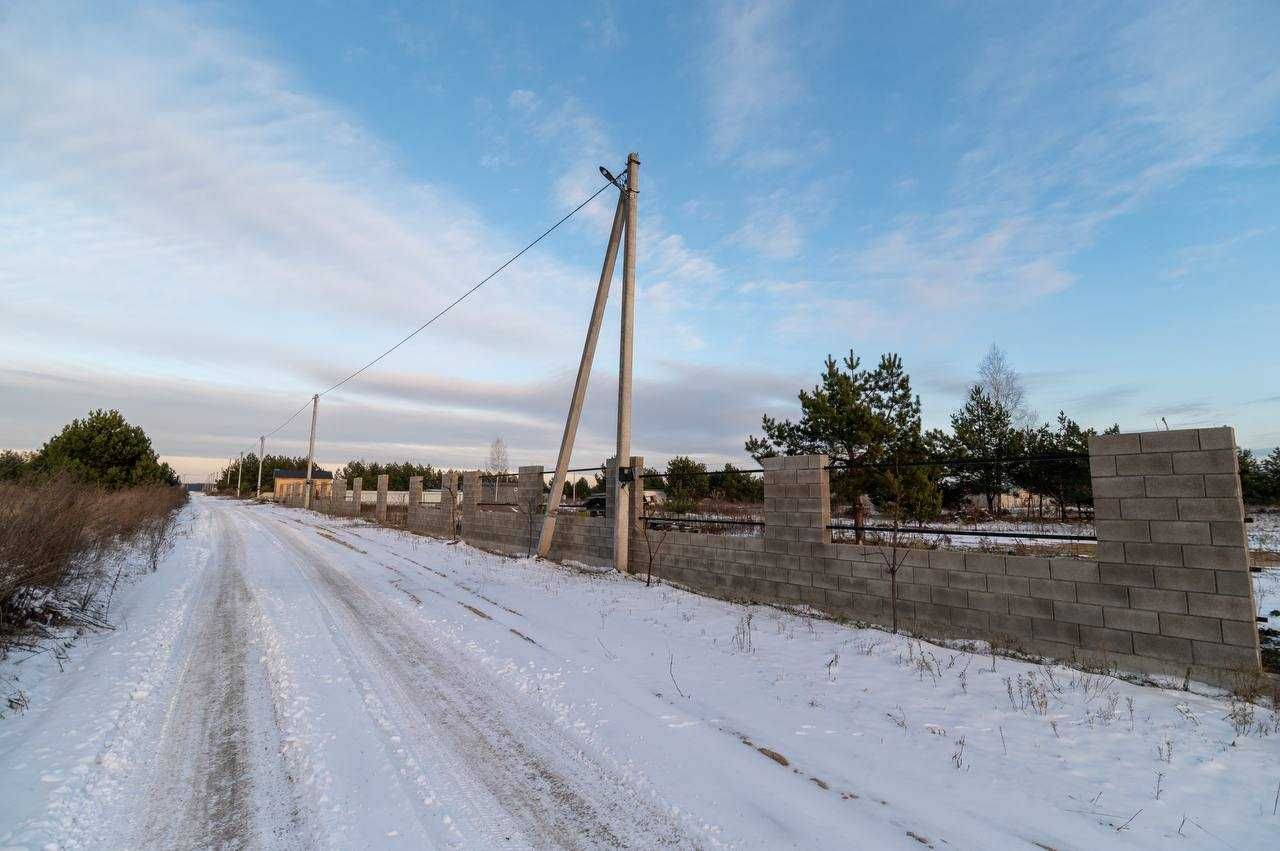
column 60, row 540
column 742, row 634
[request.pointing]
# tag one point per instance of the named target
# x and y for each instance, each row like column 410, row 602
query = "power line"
column 513, row 258
column 460, row 298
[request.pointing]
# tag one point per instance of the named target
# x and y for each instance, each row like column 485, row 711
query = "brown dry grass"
column 61, row 537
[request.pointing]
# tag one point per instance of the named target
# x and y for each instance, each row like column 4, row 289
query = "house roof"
column 300, row 474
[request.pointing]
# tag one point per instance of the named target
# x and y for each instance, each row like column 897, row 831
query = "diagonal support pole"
column 584, row 375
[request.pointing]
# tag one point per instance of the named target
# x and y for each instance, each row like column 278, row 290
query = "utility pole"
column 584, row 375
column 311, row 451
column 622, row 513
column 239, row 474
column 262, row 444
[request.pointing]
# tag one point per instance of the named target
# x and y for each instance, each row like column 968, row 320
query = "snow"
column 291, row 680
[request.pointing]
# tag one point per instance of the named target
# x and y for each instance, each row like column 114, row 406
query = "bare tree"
column 652, row 544
column 496, row 466
column 1003, row 384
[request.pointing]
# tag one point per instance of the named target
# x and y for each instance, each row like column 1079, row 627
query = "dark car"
column 594, row 505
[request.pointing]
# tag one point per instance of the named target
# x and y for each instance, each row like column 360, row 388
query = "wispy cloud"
column 752, row 73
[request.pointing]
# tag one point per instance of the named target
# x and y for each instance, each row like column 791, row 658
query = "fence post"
column 337, row 495
column 470, row 499
column 357, row 485
column 1172, row 543
column 415, row 502
column 449, row 502
column 529, row 501
column 380, row 509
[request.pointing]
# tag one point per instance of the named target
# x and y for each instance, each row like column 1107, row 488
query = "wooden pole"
column 584, row 375
column 262, row 444
column 239, row 474
column 622, row 513
column 311, row 451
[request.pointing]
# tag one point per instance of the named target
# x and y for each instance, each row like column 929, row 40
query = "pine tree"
column 983, row 429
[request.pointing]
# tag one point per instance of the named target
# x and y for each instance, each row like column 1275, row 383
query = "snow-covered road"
column 288, row 680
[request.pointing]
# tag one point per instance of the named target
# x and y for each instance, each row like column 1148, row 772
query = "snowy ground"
column 287, row 680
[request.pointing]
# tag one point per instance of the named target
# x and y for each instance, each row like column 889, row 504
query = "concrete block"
column 1215, row 558
column 1173, row 440
column 1155, row 554
column 1213, row 461
column 1031, row 607
column 1174, row 486
column 1010, row 626
column 1218, row 437
column 1185, row 579
column 1190, row 626
column 1073, row 570
column 1210, row 508
column 1233, row 583
column 1228, row 533
column 1077, row 613
column 1221, row 485
column 1105, row 508
column 984, row 562
column 853, row 584
column 1101, row 466
column 1132, row 620
column 1015, row 585
column 1111, row 640
column 953, row 597
column 1031, row 566
column 1120, row 486
column 1114, row 444
column 1228, row 656
column 1239, row 633
column 1112, row 551
column 1158, row 600
column 1160, row 464
column 1053, row 589
column 979, row 622
column 1219, row 606
column 1052, row 630
column 1099, row 595
column 1123, row 530
column 1180, row 532
column 1163, row 647
column 946, row 559
column 986, row 602
column 968, row 581
column 933, row 614
column 1148, row 508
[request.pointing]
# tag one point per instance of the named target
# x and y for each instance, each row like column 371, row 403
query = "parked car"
column 595, row 505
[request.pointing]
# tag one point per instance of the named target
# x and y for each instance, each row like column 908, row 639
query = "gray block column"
column 1171, row 531
column 380, row 509
column 412, row 519
column 470, row 499
column 338, row 495
column 357, row 485
column 797, row 499
column 449, row 487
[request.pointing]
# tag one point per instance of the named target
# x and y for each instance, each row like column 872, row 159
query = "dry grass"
column 61, row 548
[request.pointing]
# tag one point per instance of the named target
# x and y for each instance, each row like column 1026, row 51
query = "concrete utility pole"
column 622, row 513
column 584, row 375
column 262, row 445
column 311, row 451
column 239, row 474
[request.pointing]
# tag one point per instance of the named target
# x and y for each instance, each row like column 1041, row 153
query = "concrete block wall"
column 1171, row 533
column 338, row 496
column 1169, row 593
column 380, row 507
column 353, row 506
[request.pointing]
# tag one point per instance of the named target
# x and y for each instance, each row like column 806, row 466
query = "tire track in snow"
column 544, row 780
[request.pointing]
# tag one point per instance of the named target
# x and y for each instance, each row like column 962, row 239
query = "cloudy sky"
column 210, row 212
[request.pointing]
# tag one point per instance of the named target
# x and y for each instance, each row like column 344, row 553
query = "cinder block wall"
column 380, row 507
column 1169, row 593
column 1171, row 533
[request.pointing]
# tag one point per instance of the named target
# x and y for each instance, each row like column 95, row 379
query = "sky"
column 209, row 212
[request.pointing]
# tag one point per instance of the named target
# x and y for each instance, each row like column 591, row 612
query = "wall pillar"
column 337, row 495
column 412, row 511
column 1171, row 540
column 529, row 500
column 357, row 484
column 380, row 509
column 449, row 487
column 470, row 507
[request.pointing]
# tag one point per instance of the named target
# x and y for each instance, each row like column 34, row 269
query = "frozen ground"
column 286, row 680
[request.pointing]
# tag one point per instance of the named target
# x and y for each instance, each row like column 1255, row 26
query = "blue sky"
column 209, row 212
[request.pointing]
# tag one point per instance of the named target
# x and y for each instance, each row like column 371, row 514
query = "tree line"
column 101, row 449
column 868, row 422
